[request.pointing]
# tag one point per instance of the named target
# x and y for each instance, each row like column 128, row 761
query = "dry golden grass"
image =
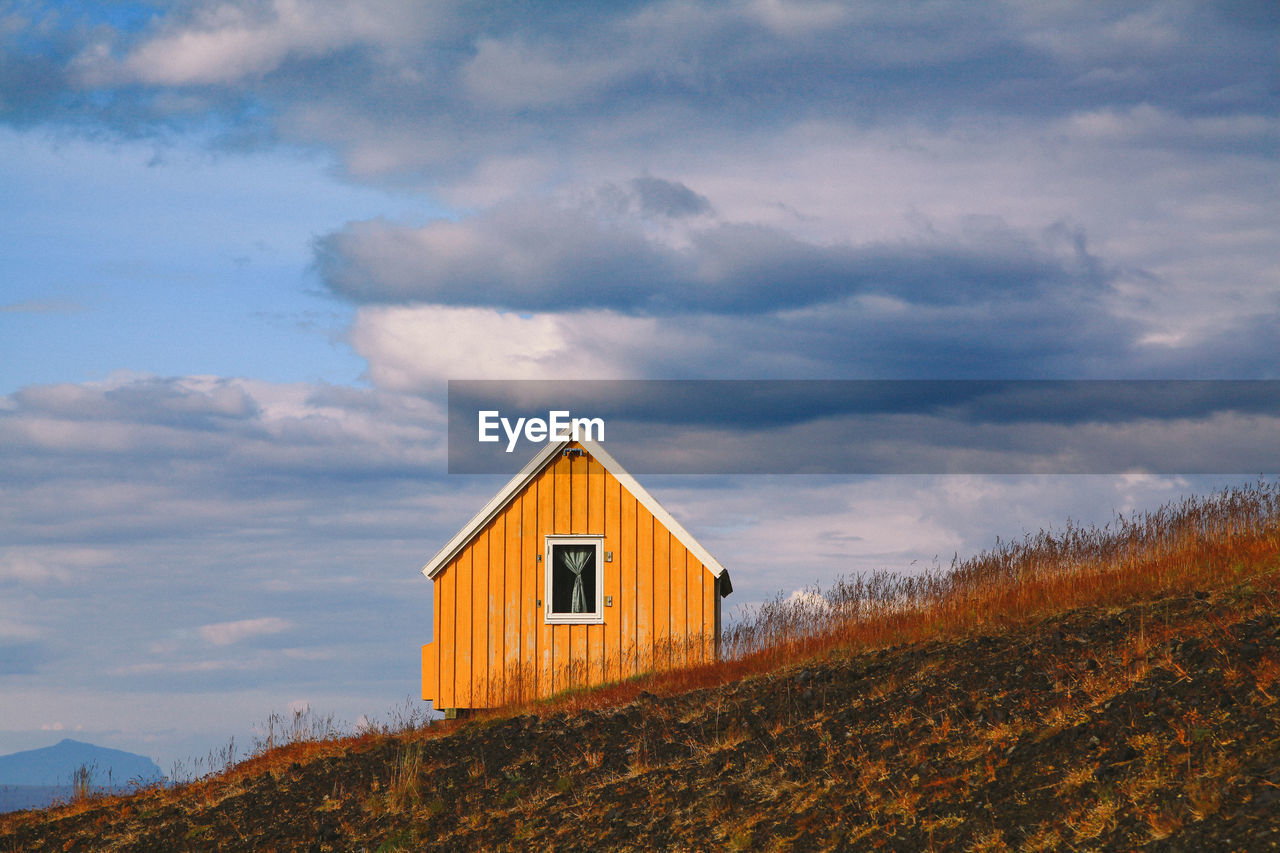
column 1044, row 838
column 1162, row 824
column 990, row 842
column 1078, row 777
column 1094, row 819
column 1195, row 544
column 403, row 791
column 1265, row 676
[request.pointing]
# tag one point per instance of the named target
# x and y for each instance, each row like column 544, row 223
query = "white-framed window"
column 574, row 571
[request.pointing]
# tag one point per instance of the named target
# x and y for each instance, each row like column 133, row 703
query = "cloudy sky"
column 245, row 245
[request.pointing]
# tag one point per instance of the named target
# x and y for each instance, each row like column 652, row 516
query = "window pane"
column 573, row 571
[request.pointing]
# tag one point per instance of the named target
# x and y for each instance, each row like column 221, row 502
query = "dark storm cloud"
column 530, row 257
column 668, row 198
column 755, row 404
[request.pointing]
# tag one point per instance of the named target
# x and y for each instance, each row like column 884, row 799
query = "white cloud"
column 230, row 41
column 1099, row 32
column 1155, row 127
column 15, row 630
column 796, row 18
column 417, row 349
column 49, row 564
column 496, row 179
column 226, row 633
column 809, row 599
column 27, row 569
column 257, row 662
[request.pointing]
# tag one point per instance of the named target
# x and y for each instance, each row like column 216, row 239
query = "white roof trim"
column 531, row 470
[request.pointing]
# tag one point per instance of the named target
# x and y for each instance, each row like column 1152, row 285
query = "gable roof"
column 628, row 482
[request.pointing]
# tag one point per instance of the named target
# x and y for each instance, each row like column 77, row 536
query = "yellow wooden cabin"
column 572, row 575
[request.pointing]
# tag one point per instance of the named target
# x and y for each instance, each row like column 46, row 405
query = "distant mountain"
column 36, row 777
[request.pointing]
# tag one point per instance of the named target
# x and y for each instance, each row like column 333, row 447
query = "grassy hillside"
column 1090, row 689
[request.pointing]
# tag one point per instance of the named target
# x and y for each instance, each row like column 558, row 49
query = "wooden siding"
column 492, row 644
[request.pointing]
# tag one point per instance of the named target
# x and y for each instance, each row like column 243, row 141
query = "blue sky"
column 247, row 243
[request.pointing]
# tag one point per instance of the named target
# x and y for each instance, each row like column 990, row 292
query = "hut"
column 572, row 575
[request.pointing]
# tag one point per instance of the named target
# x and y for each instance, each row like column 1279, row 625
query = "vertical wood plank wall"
column 491, row 642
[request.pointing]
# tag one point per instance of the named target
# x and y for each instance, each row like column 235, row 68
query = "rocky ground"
column 1152, row 727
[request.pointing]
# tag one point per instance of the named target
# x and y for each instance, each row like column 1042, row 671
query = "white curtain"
column 575, row 560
